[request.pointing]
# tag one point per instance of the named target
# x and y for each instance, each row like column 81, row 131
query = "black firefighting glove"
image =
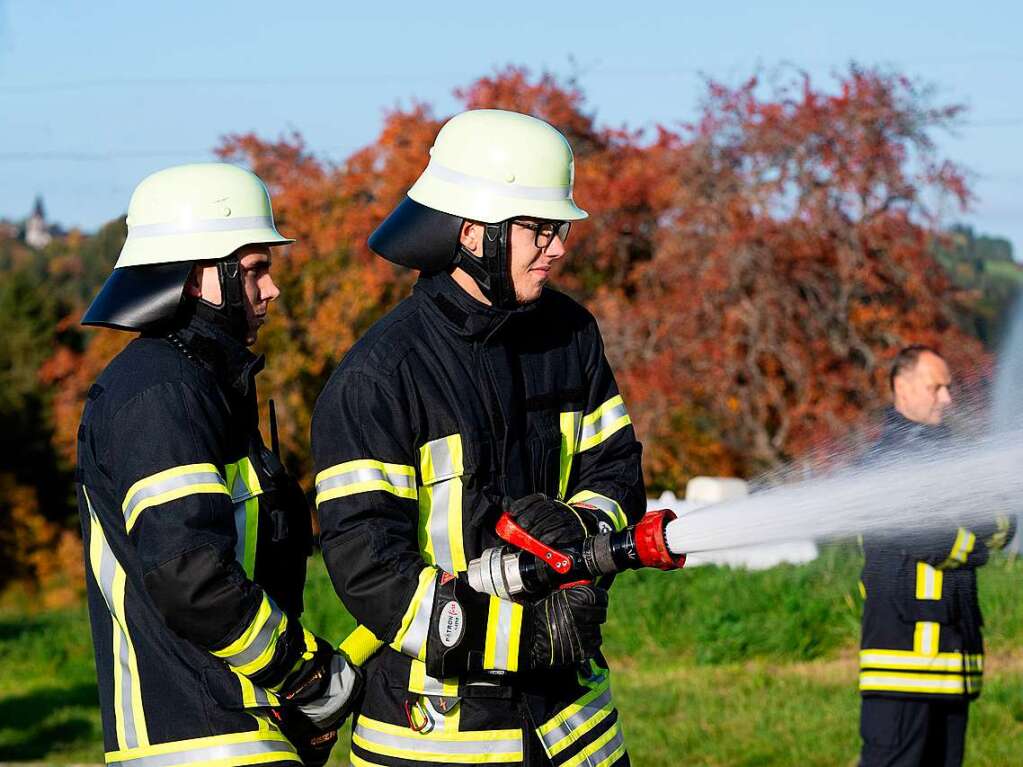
column 312, row 744
column 553, row 522
column 563, row 628
column 324, row 689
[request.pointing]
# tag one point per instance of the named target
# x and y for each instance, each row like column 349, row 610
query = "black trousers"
column 912, row 733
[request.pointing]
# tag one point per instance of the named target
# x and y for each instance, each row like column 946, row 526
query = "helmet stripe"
column 196, row 227
column 503, row 189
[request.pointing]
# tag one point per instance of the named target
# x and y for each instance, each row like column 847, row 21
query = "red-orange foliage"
column 753, row 272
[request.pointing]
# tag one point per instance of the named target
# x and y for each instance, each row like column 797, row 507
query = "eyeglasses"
column 544, row 231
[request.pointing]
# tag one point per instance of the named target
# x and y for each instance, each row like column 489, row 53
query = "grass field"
column 711, row 667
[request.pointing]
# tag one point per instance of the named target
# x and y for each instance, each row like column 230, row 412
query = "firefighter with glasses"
column 483, row 391
column 196, row 538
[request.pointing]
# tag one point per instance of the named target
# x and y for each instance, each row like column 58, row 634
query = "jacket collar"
column 460, row 311
column 899, row 430
column 221, row 353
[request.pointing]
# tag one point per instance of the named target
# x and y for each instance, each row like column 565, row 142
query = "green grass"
column 711, row 666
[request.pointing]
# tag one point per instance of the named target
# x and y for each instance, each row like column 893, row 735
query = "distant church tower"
column 37, row 232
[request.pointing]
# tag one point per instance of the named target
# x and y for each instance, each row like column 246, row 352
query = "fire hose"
column 533, row 568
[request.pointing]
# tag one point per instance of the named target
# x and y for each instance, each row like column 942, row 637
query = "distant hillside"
column 985, row 269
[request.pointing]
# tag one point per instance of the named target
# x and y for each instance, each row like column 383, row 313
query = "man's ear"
column 193, row 285
column 470, row 235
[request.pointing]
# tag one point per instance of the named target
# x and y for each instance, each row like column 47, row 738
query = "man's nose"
column 945, row 396
column 556, row 249
column 269, row 290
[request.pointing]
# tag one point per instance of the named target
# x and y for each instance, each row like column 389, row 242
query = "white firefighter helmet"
column 176, row 217
column 491, row 165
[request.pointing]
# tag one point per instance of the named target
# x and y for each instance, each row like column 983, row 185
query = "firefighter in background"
column 481, row 386
column 195, row 536
column 922, row 655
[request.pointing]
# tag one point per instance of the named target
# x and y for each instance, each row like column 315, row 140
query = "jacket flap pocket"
column 442, row 459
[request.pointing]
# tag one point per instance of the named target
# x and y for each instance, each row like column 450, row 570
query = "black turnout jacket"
column 442, row 409
column 921, row 617
column 196, row 544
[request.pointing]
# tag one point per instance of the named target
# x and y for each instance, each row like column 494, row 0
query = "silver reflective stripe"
column 171, row 483
column 499, row 188
column 606, row 420
column 440, row 504
column 503, row 635
column 616, row 742
column 365, row 475
column 415, row 637
column 260, row 696
column 438, row 745
column 209, row 754
column 440, row 456
column 258, row 645
column 202, row 225
column 578, row 719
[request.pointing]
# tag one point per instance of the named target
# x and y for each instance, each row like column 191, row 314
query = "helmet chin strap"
column 492, row 272
column 229, row 314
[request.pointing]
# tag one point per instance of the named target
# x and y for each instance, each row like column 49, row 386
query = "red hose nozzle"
column 651, row 545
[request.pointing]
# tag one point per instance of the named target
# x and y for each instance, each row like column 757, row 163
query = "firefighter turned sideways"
column 483, row 391
column 922, row 655
column 195, row 536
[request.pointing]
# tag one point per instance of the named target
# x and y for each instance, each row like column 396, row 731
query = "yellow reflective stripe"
column 360, row 645
column 358, row 761
column 863, row 590
column 568, row 737
column 925, row 638
column 255, row 697
column 415, row 623
column 240, row 748
column 129, row 716
column 365, row 475
column 440, row 504
column 607, row 505
column 571, row 423
column 961, row 549
column 602, row 423
column 446, row 747
column 242, row 480
column 908, row 660
column 571, row 710
column 950, row 684
column 504, row 627
column 613, row 735
column 245, row 488
column 424, row 684
column 170, row 485
column 253, row 650
column 929, row 581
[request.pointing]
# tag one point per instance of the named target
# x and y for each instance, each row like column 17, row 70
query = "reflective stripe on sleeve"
column 241, row 748
column 415, row 624
column 169, row 485
column 444, row 747
column 961, row 549
column 364, row 476
column 360, row 645
column 251, row 652
column 929, row 581
column 504, row 628
column 440, row 504
column 611, row 508
column 603, row 422
column 1000, row 537
column 129, row 715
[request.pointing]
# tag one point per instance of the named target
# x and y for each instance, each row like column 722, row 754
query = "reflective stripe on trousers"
column 586, row 733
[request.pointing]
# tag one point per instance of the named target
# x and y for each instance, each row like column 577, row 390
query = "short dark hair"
column 907, row 358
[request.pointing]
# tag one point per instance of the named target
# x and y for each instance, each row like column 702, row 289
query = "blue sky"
column 95, row 95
